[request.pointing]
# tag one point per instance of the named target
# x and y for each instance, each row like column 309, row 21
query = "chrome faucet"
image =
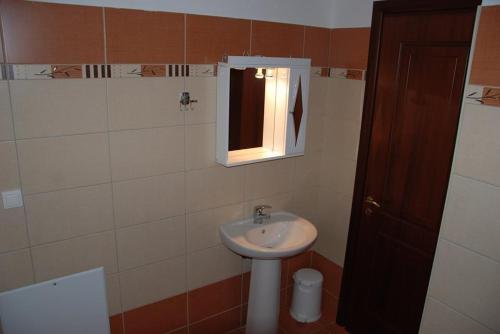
column 258, row 213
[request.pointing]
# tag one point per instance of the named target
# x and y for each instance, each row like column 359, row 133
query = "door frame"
column 380, row 8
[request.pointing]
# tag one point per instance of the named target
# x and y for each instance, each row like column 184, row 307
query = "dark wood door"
column 410, row 126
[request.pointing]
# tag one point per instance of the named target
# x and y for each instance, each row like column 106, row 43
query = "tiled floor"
column 325, row 325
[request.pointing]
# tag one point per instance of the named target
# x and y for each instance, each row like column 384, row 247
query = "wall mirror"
column 261, row 109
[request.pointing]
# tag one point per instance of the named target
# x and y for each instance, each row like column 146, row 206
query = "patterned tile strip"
column 347, row 73
column 475, row 94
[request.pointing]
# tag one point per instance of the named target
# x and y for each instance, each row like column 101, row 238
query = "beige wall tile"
column 146, row 152
column 13, row 233
column 338, row 174
column 439, row 318
column 478, row 153
column 269, row 178
column 200, row 146
column 471, row 216
column 314, row 133
column 15, row 270
column 211, row 265
column 305, row 203
column 318, row 90
column 468, row 282
column 151, row 242
column 58, row 107
column 214, row 187
column 6, row 128
column 113, row 294
column 307, row 169
column 204, row 90
column 203, row 226
column 149, row 199
column 9, row 175
column 345, row 99
column 153, row 282
column 69, row 213
column 341, row 138
column 144, row 102
column 75, row 255
column 63, row 162
column 279, row 202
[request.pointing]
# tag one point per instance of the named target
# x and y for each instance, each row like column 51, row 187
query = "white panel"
column 73, row 304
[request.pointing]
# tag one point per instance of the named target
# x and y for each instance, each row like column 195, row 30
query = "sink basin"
column 283, row 235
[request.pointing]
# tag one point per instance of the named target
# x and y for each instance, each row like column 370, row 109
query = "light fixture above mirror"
column 261, row 109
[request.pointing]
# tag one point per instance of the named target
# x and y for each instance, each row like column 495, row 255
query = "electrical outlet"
column 12, row 199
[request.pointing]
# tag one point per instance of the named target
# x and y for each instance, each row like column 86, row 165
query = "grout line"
column 251, row 35
column 304, row 43
column 20, row 182
column 477, row 180
column 470, row 249
column 110, row 170
column 214, row 315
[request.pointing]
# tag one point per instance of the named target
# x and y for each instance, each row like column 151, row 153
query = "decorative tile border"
column 347, row 73
column 320, row 71
column 482, row 95
column 97, row 71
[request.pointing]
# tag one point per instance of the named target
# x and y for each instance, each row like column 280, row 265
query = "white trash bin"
column 306, row 301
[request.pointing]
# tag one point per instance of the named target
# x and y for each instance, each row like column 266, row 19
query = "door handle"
column 371, row 201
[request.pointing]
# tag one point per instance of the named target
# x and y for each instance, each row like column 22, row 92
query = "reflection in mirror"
column 246, row 108
column 297, row 111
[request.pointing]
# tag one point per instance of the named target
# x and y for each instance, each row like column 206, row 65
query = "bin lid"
column 308, row 277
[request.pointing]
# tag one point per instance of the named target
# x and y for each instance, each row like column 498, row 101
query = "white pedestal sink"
column 283, row 235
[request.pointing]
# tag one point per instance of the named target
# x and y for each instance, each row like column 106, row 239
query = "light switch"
column 12, row 199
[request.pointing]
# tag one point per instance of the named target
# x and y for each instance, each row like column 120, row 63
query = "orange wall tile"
column 209, row 38
column 222, row 323
column 52, row 34
column 157, row 318
column 317, row 45
column 214, row 298
column 349, row 47
column 277, row 39
column 135, row 36
column 486, row 64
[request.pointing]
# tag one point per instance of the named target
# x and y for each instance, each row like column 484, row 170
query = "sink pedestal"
column 264, row 300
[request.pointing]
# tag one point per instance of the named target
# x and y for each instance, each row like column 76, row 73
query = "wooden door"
column 414, row 91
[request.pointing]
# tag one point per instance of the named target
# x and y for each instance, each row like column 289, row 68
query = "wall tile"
column 468, row 282
column 203, row 226
column 332, row 273
column 200, row 146
column 212, row 265
column 214, row 187
column 160, row 39
column 13, row 234
column 277, row 39
column 269, row 178
column 15, row 270
column 338, row 174
column 305, row 203
column 42, row 33
column 158, row 318
column 486, row 63
column 314, row 134
column 153, row 282
column 317, row 45
column 75, row 255
column 349, row 47
column 63, row 162
column 279, row 202
column 307, row 170
column 209, row 38
column 345, row 99
column 478, row 153
column 205, row 91
column 69, row 213
column 6, row 128
column 341, row 138
column 149, row 199
column 222, row 323
column 144, row 102
column 214, row 298
column 113, row 294
column 151, row 242
column 471, row 216
column 9, row 177
column 439, row 318
column 58, row 107
column 318, row 90
column 146, row 152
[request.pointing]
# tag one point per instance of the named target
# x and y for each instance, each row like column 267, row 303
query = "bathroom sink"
column 282, row 235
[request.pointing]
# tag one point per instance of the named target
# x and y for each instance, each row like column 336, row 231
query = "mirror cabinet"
column 261, row 109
